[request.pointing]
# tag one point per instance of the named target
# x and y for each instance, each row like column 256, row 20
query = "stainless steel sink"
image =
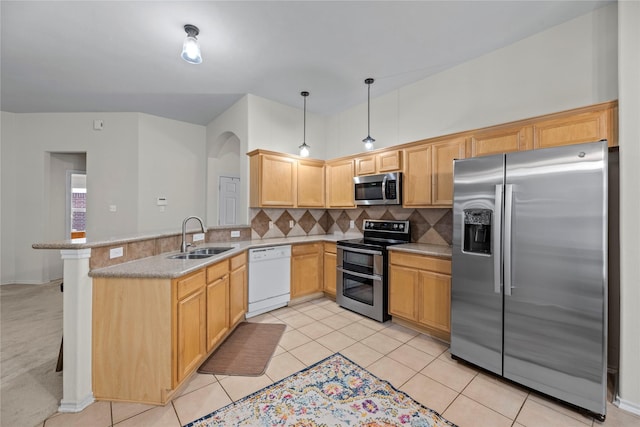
column 209, row 251
column 190, row 256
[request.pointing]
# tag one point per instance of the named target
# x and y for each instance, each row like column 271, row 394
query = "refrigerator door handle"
column 508, row 211
column 497, row 244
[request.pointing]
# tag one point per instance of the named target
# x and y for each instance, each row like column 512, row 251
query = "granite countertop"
column 442, row 251
column 160, row 266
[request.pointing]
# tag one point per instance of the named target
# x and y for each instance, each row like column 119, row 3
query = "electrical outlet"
column 270, row 225
column 291, row 223
column 235, row 233
column 198, row 237
column 116, row 252
column 352, row 224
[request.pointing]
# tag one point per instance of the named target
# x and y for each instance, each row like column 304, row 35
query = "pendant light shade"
column 304, row 148
column 368, row 141
column 191, row 47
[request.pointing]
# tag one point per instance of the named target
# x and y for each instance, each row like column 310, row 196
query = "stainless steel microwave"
column 382, row 189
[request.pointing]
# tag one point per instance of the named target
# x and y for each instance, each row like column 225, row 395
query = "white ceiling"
column 104, row 56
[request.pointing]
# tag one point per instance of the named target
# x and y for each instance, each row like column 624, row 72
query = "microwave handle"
column 384, row 188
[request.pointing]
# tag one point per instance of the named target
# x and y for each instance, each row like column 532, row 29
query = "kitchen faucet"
column 185, row 245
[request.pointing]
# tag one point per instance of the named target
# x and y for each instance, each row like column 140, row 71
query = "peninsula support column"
column 77, row 392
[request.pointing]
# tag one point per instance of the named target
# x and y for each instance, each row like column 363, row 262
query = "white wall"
column 568, row 66
column 233, row 122
column 112, row 167
column 279, row 127
column 629, row 116
column 172, row 164
column 56, row 229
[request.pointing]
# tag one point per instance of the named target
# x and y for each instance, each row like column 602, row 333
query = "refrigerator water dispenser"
column 477, row 231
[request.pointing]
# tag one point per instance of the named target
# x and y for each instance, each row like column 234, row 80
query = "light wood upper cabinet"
column 574, row 129
column 273, row 181
column 420, row 291
column 306, row 269
column 311, row 193
column 497, row 141
column 417, row 176
column 386, row 161
column 443, row 154
column 339, row 180
column 428, row 172
column 330, row 268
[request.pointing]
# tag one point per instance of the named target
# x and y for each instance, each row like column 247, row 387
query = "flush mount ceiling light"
column 191, row 47
column 304, row 148
column 368, row 141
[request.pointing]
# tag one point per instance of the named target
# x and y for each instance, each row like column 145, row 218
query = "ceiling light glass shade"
column 191, row 50
column 368, row 143
column 304, row 150
column 191, row 47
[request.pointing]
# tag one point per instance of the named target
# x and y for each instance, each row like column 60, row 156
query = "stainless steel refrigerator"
column 529, row 269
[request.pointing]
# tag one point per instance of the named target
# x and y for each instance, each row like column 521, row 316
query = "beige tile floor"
column 412, row 362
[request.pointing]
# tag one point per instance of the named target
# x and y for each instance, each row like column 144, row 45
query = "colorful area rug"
column 246, row 351
column 333, row 392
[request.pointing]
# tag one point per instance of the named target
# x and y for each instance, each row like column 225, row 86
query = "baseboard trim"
column 626, row 405
column 76, row 406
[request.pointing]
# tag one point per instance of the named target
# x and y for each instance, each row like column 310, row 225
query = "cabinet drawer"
column 310, row 248
column 191, row 283
column 238, row 261
column 217, row 271
column 421, row 262
column 330, row 247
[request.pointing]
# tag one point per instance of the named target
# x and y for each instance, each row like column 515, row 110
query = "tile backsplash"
column 427, row 225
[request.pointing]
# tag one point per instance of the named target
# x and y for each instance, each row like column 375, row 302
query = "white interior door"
column 229, row 192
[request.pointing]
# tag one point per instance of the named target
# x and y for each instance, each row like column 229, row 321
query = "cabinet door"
column 191, row 321
column 306, row 269
column 365, row 165
column 502, row 141
column 277, row 181
column 330, row 273
column 443, row 154
column 237, row 294
column 310, row 184
column 434, row 300
column 417, row 176
column 390, row 161
column 340, row 185
column 586, row 127
column 217, row 311
column 403, row 289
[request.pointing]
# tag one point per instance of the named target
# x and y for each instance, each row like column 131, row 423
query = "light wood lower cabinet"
column 330, row 269
column 420, row 291
column 149, row 335
column 191, row 317
column 238, row 289
column 217, row 304
column 306, row 269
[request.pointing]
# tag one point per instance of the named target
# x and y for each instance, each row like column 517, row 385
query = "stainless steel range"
column 361, row 284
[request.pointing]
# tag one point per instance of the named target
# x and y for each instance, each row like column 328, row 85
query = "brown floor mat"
column 246, row 351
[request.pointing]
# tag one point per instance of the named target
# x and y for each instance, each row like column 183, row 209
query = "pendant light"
column 368, row 141
column 304, row 148
column 191, row 47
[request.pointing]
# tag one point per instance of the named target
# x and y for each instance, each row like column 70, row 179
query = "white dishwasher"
column 269, row 279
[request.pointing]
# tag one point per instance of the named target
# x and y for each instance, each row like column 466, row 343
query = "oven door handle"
column 364, row 276
column 360, row 251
